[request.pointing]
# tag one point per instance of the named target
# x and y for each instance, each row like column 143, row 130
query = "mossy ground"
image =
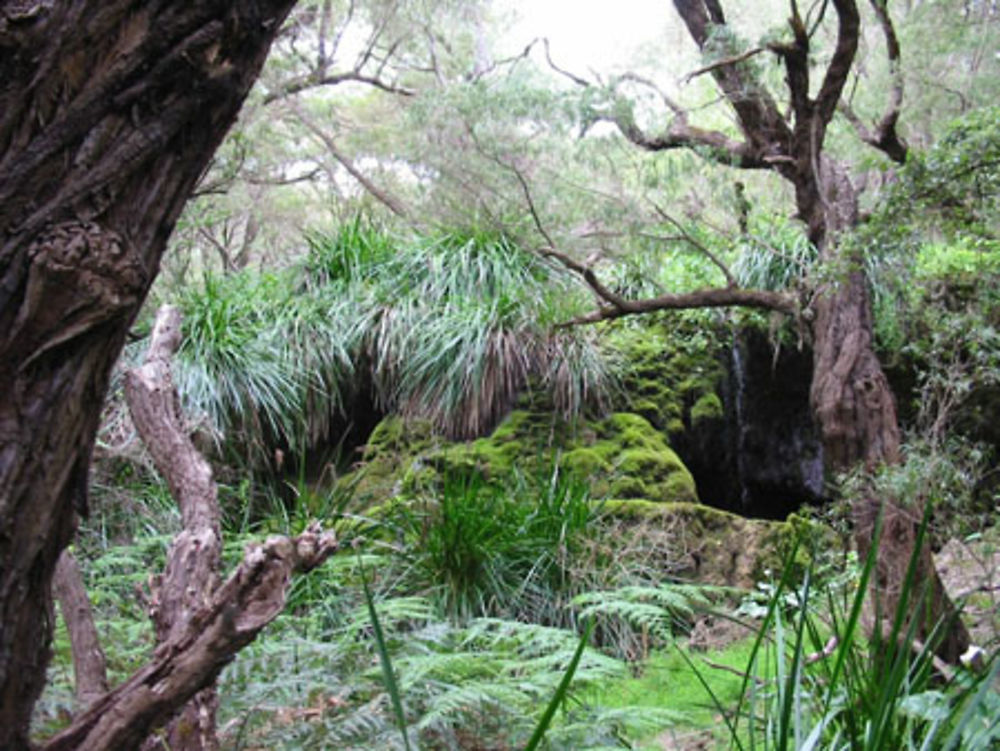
column 666, row 679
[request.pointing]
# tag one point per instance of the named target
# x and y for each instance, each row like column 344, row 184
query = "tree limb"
column 386, row 199
column 884, row 135
column 848, row 33
column 691, row 240
column 732, row 60
column 317, row 79
column 715, row 297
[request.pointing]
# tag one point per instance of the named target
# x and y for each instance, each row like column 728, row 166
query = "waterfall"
column 739, row 411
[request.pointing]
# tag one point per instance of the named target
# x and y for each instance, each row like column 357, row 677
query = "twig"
column 691, row 240
column 723, row 62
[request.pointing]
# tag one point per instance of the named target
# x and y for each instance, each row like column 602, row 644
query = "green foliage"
column 462, row 322
column 813, row 681
column 260, row 364
column 665, row 680
column 479, row 548
column 385, row 661
column 462, row 685
column 561, row 693
column 355, row 253
column 958, row 179
column 448, row 327
column 658, row 612
column 776, row 255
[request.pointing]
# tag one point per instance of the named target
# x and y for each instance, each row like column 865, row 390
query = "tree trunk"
column 90, row 674
column 109, row 112
column 856, row 412
column 849, row 393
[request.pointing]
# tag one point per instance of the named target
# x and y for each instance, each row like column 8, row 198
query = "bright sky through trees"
column 590, row 34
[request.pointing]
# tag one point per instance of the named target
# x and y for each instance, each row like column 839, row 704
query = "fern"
column 656, row 611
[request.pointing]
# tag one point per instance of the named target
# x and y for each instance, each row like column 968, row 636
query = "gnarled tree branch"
column 200, row 626
column 194, row 656
column 884, row 136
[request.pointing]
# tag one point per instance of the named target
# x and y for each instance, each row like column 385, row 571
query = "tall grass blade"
column 561, row 691
column 770, row 616
column 383, row 655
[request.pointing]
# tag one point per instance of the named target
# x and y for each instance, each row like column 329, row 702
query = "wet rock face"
column 762, row 456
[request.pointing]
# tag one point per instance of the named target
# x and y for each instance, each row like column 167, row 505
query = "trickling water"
column 739, row 409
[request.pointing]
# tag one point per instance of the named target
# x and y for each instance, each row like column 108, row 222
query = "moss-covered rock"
column 621, row 455
column 708, row 407
column 391, row 458
column 672, row 377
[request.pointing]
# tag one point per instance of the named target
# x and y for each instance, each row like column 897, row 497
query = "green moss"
column 621, row 454
column 394, row 436
column 675, row 426
column 708, row 407
column 654, row 474
column 668, row 373
column 585, row 462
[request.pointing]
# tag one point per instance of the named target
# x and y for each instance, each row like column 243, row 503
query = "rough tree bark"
column 850, row 395
column 109, row 112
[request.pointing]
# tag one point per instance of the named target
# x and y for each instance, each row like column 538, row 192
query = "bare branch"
column 837, row 72
column 316, row 79
column 733, row 60
column 192, row 658
column 667, row 100
column 711, row 144
column 693, row 241
column 883, row 136
column 572, row 77
column 535, row 218
column 716, row 297
column 820, row 15
column 323, row 54
column 479, row 73
column 383, row 197
column 590, row 277
column 305, row 177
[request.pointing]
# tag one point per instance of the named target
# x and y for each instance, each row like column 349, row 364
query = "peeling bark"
column 195, row 556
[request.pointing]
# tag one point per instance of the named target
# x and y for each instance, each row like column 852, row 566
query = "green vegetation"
column 526, row 562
